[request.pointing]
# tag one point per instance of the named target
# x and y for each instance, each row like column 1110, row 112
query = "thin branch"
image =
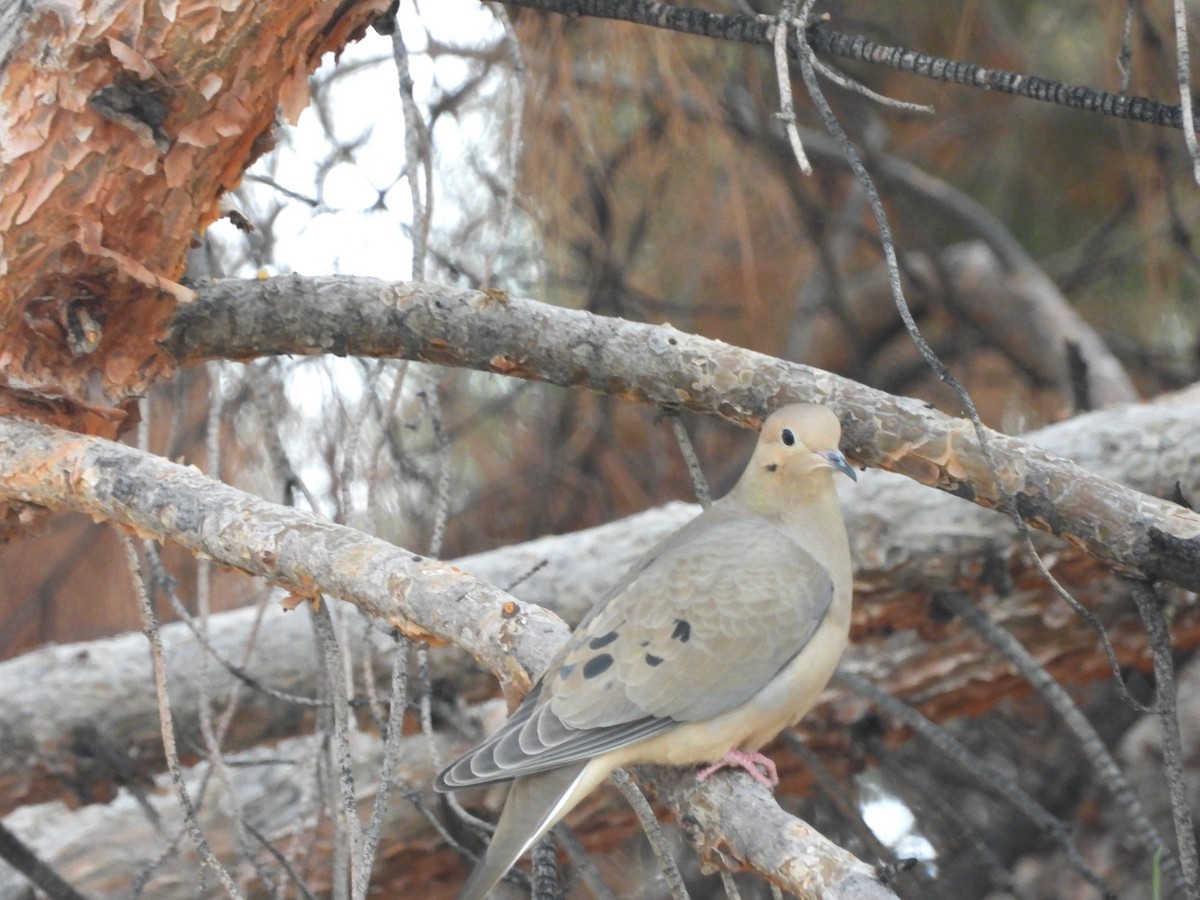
column 348, row 828
column 418, row 154
column 980, row 772
column 1125, row 55
column 290, row 872
column 166, row 723
column 934, row 808
column 544, row 875
column 17, row 854
column 588, row 871
column 699, row 482
column 847, row 806
column 856, row 87
column 1168, row 712
column 393, row 732
column 753, row 30
column 654, row 833
column 1108, row 772
column 783, row 78
column 512, row 147
column 1183, row 71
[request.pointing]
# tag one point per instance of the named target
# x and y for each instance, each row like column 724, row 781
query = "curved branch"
column 908, row 544
column 670, row 368
column 903, row 537
column 424, row 598
column 300, row 551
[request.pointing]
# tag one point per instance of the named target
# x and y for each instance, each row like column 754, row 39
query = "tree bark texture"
column 121, row 124
column 909, row 544
column 494, row 332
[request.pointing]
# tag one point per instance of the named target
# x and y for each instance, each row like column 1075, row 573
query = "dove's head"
column 798, row 446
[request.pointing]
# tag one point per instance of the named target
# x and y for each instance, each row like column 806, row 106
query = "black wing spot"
column 788, row 437
column 603, row 641
column 771, row 467
column 683, row 631
column 565, row 671
column 652, row 660
column 597, row 665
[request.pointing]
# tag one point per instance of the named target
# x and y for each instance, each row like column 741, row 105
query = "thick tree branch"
column 730, row 821
column 672, row 369
column 908, row 544
column 301, row 552
column 309, row 556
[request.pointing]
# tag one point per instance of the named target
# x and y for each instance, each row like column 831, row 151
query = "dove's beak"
column 838, row 461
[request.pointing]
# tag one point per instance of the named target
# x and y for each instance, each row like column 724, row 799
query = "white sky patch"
column 333, row 197
column 350, row 207
column 888, row 818
column 893, row 823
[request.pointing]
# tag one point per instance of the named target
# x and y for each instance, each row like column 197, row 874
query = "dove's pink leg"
column 748, row 761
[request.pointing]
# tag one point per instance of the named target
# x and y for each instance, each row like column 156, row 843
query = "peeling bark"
column 121, row 124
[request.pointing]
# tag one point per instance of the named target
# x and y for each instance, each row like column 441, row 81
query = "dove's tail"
column 535, row 804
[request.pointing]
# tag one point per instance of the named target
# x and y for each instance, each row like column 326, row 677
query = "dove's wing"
column 709, row 619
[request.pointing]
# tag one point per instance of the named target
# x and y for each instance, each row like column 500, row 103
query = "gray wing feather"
column 675, row 641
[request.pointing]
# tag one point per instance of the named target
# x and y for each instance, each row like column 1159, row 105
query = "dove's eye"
column 788, row 437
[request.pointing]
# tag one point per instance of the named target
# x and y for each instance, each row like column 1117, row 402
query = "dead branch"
column 305, row 554
column 761, row 29
column 301, row 552
column 673, row 369
column 909, row 543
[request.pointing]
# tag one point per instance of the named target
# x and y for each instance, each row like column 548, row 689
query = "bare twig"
column 856, row 87
column 589, row 874
column 512, row 148
column 936, row 807
column 658, row 842
column 418, row 158
column 544, row 877
column 783, row 78
column 391, row 750
column 1167, row 710
column 1125, row 56
column 288, row 870
column 1056, row 697
column 981, row 772
column 347, row 827
column 150, row 626
column 17, row 854
column 699, row 482
column 847, row 806
column 1183, row 73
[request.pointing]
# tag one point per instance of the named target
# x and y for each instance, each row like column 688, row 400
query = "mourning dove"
column 715, row 641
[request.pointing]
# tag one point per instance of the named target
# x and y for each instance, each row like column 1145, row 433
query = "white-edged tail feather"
column 535, row 804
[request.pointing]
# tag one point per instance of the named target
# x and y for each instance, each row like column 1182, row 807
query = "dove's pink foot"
column 748, row 761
